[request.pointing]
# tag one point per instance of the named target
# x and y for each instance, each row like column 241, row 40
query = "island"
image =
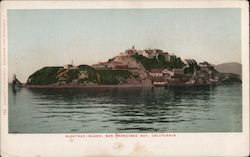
column 132, row 68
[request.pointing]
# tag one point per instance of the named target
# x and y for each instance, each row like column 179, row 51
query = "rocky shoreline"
column 88, row 86
column 114, row 86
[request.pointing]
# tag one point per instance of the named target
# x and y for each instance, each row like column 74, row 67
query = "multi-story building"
column 156, row 73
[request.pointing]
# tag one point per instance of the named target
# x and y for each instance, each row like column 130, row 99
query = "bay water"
column 126, row 110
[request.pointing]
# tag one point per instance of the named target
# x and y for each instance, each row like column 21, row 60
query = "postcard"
column 124, row 78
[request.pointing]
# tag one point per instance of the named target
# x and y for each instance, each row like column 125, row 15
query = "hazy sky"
column 39, row 38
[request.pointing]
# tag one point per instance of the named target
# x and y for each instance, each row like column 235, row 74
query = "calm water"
column 126, row 110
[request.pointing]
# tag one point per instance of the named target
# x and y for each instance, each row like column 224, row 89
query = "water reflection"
column 119, row 109
column 139, row 106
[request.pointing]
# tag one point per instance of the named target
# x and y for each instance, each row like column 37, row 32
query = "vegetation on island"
column 44, row 76
column 159, row 62
column 113, row 76
column 134, row 67
column 57, row 75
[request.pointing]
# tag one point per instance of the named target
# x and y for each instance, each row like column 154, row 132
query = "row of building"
column 118, row 63
column 177, row 76
column 157, row 76
column 162, row 77
column 148, row 53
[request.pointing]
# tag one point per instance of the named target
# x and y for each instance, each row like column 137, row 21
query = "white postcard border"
column 183, row 144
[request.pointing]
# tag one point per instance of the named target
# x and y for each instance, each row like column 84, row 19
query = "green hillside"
column 114, row 76
column 83, row 74
column 160, row 62
column 44, row 76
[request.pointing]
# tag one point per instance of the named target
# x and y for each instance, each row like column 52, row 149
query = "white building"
column 151, row 53
column 156, row 73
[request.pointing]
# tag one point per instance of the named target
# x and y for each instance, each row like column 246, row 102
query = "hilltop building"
column 131, row 52
column 151, row 53
column 148, row 53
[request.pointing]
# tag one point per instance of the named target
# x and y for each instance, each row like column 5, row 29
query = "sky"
column 39, row 38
